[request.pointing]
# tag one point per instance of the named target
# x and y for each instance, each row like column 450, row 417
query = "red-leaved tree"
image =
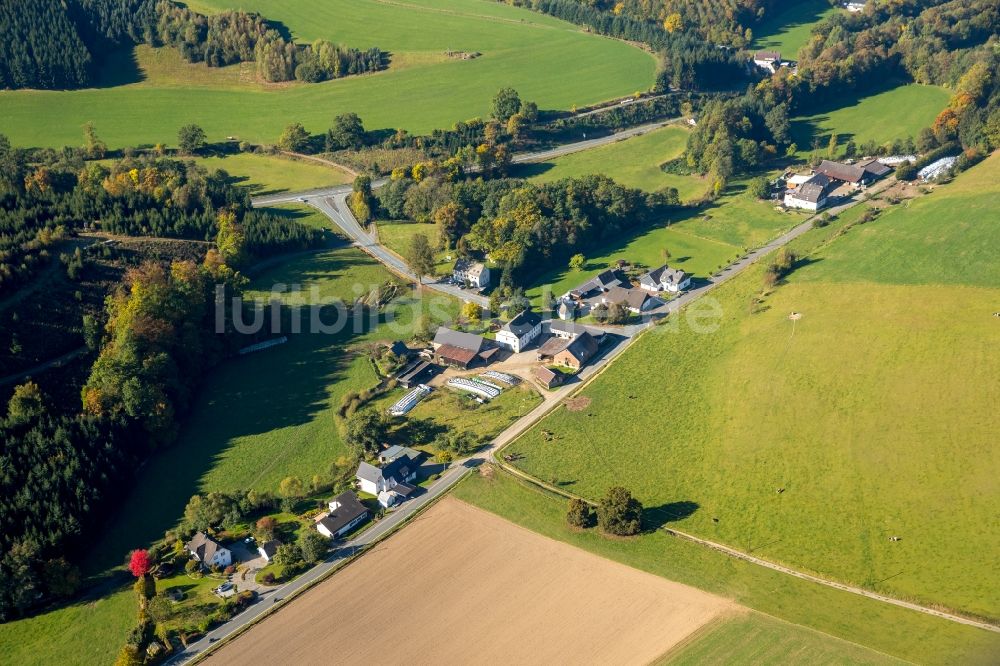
column 138, row 563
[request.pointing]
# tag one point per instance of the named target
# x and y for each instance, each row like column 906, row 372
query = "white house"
column 208, row 551
column 373, row 480
column 346, row 513
column 471, row 272
column 665, row 278
column 810, row 195
column 768, row 60
column 520, row 331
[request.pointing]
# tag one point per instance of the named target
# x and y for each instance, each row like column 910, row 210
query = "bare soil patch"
column 463, row 586
column 578, row 404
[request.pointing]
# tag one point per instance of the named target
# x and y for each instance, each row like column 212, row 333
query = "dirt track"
column 462, row 586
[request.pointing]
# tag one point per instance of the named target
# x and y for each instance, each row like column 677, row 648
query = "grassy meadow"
column 893, row 428
column 895, row 113
column 271, row 174
column 787, row 29
column 700, row 242
column 149, row 94
column 753, row 638
column 879, row 627
column 634, row 162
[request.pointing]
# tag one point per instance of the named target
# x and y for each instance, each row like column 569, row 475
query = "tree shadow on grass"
column 655, row 517
column 281, row 387
column 119, row 68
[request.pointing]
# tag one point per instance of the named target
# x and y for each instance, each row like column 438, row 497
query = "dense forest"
column 60, row 43
column 725, row 22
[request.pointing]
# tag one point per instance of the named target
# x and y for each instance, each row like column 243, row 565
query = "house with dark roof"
column 810, row 195
column 461, row 349
column 208, row 551
column 346, row 513
column 268, row 550
column 665, row 278
column 874, row 168
column 401, row 469
column 471, row 272
column 635, row 301
column 567, row 309
column 845, row 173
column 596, row 285
column 417, row 372
column 520, row 331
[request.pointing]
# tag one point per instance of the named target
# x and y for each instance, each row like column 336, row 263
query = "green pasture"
column 880, row 627
column 90, row 631
column 787, row 29
column 147, row 96
column 872, row 413
column 700, row 240
column 270, row 174
column 634, row 162
column 398, row 234
column 892, row 114
column 753, row 638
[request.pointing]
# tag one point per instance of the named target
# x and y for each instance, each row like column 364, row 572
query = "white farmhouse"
column 474, row 273
column 520, row 331
column 810, row 195
column 208, row 551
column 665, row 278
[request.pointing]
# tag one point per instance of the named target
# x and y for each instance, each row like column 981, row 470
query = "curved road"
column 332, row 202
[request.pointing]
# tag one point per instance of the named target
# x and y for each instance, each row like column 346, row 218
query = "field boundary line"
column 753, row 559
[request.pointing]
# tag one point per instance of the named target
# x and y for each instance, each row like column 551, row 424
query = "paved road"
column 305, row 196
column 274, row 599
column 332, row 202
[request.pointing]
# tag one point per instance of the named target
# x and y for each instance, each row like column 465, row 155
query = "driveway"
column 250, row 562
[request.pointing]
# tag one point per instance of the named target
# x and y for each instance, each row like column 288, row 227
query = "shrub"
column 619, row 513
column 580, row 514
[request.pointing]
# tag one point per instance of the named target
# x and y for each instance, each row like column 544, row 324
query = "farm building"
column 520, row 331
column 417, row 372
column 460, row 349
column 665, row 278
column 573, row 353
column 597, row 285
column 635, row 301
column 208, row 551
column 346, row 512
column 567, row 309
column 567, row 330
column 547, row 377
column 810, row 195
column 473, row 273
